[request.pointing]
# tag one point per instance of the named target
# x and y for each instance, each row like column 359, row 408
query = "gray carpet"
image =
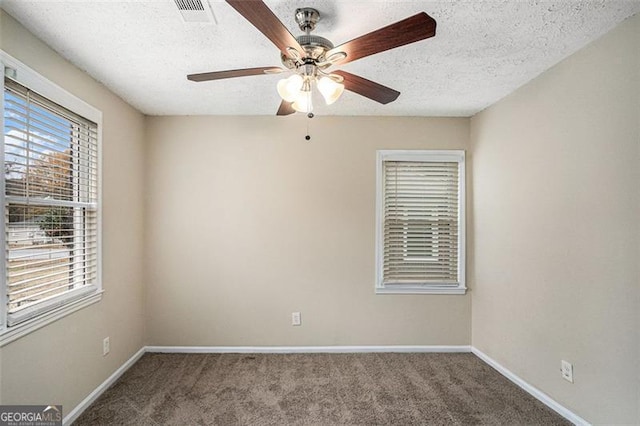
column 315, row 389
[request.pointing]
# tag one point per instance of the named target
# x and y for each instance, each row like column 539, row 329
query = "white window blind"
column 51, row 204
column 420, row 210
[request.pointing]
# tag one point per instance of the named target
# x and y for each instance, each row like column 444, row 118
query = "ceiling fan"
column 308, row 56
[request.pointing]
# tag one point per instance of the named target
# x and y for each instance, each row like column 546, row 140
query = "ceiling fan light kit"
column 308, row 56
column 298, row 88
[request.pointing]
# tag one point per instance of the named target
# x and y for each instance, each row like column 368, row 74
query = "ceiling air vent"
column 195, row 11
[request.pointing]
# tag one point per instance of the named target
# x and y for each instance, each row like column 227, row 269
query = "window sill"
column 13, row 333
column 420, row 290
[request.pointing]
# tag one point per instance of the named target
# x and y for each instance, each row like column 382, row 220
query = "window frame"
column 63, row 306
column 457, row 156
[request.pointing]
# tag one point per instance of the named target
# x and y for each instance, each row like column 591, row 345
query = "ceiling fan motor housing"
column 315, row 47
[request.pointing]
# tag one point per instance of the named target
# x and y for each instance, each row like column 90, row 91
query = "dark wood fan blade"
column 367, row 88
column 256, row 12
column 285, row 108
column 410, row 30
column 217, row 75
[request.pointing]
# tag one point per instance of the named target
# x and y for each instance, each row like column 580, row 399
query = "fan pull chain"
column 308, row 136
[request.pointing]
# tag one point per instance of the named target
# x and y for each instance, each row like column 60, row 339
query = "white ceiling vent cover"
column 195, row 11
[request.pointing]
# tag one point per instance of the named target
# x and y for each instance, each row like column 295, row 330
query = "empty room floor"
column 315, row 389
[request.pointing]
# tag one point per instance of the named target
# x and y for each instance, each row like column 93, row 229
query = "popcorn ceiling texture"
column 483, row 50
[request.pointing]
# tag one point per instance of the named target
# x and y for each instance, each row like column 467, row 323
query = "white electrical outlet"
column 296, row 319
column 106, row 346
column 567, row 371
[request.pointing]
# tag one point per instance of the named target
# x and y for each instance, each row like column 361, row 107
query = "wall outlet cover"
column 106, row 346
column 567, row 370
column 296, row 319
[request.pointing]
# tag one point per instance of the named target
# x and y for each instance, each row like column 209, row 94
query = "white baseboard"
column 85, row 403
column 533, row 391
column 305, row 349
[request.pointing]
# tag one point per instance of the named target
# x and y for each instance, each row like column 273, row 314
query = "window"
column 51, row 226
column 420, row 222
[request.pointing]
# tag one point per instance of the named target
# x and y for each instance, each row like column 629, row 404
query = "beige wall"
column 556, row 218
column 248, row 222
column 62, row 362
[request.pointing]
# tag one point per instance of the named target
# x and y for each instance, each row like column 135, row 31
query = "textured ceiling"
column 483, row 50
